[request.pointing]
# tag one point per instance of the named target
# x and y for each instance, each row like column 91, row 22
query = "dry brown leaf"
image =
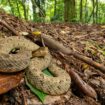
column 9, row 81
column 103, row 26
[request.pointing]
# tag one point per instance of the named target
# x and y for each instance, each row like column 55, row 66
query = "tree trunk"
column 18, row 8
column 81, row 11
column 24, row 8
column 86, row 11
column 12, row 9
column 96, row 11
column 40, row 6
column 34, row 9
column 69, row 10
column 93, row 11
column 55, row 7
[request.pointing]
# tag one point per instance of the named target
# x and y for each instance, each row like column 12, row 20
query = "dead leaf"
column 9, row 81
column 103, row 26
column 84, row 66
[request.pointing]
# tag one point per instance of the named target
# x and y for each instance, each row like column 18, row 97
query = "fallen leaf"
column 9, row 81
column 36, row 33
column 41, row 95
column 23, row 33
column 84, row 66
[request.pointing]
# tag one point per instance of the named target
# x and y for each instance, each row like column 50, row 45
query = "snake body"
column 56, row 85
column 19, row 61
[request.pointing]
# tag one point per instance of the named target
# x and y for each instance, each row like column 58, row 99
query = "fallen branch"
column 89, row 61
column 83, row 86
column 67, row 60
column 55, row 45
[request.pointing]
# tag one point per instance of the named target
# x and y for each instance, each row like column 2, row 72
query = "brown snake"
column 56, row 85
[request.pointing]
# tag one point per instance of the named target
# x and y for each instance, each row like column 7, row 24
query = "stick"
column 83, row 86
column 99, row 72
column 9, row 27
column 55, row 45
column 89, row 61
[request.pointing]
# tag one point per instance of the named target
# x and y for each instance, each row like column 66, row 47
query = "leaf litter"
column 88, row 40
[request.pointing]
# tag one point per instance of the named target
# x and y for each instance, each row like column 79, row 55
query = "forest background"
column 76, row 11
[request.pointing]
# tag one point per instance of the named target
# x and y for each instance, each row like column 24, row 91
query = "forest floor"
column 88, row 40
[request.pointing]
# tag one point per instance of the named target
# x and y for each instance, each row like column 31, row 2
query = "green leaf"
column 40, row 94
column 47, row 72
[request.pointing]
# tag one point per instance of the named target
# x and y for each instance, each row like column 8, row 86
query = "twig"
column 8, row 27
column 55, row 45
column 43, row 43
column 89, row 61
column 67, row 60
column 23, row 96
column 14, row 97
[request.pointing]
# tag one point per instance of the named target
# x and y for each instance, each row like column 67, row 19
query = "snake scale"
column 56, row 85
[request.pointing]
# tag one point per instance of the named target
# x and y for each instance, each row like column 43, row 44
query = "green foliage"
column 53, row 10
column 37, row 92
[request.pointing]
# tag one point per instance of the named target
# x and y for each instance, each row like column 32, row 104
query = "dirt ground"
column 86, row 39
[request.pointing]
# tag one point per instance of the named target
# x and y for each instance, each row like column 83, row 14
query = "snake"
column 57, row 84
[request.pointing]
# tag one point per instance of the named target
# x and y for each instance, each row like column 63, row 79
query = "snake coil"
column 56, row 85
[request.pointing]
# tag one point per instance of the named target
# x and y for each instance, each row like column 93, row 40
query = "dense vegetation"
column 84, row 11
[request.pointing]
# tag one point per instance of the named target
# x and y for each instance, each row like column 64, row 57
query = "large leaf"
column 40, row 94
column 9, row 81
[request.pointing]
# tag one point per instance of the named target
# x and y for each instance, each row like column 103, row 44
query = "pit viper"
column 9, row 62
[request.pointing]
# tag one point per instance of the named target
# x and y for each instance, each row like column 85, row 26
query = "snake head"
column 41, row 52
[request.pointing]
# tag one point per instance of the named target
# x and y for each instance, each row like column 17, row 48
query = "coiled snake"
column 9, row 62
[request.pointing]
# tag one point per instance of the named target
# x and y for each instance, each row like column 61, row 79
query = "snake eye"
column 14, row 50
